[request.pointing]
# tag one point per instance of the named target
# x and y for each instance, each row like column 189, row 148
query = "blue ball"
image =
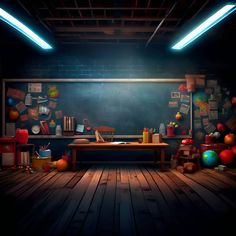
column 10, row 101
column 210, row 158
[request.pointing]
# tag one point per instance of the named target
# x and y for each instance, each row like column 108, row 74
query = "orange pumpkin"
column 61, row 165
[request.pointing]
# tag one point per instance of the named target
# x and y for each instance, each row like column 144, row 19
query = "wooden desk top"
column 118, row 145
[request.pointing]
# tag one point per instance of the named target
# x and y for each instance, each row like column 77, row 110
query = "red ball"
column 62, row 165
column 226, row 157
column 234, row 149
column 220, row 127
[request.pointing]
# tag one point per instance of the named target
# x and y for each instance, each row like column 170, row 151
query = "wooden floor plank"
column 69, row 207
column 106, row 218
column 144, row 221
column 206, row 195
column 82, row 210
column 118, row 199
column 91, row 221
column 151, row 201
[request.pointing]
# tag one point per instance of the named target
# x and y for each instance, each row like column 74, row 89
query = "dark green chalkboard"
column 129, row 105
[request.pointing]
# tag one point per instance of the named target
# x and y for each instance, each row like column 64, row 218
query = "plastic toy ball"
column 226, row 157
column 210, row 158
column 62, row 165
column 10, row 101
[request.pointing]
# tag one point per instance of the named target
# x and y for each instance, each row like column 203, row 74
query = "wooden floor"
column 118, row 200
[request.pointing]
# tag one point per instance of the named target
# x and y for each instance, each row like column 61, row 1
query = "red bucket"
column 22, row 136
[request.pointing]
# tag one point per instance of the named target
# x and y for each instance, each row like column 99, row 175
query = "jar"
column 58, row 130
column 170, row 131
column 22, row 136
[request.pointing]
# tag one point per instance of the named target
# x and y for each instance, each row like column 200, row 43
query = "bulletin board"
column 129, row 105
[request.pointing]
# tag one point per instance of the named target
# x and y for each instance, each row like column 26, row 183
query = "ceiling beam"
column 107, row 18
column 106, row 8
column 127, row 29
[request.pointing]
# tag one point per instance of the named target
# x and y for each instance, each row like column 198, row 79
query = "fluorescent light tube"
column 204, row 26
column 12, row 21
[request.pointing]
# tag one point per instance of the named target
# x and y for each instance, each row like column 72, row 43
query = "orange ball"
column 62, row 165
column 14, row 114
column 229, row 139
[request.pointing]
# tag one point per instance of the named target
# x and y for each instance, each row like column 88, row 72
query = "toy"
column 226, row 157
column 178, row 116
column 229, row 139
column 187, row 141
column 234, row 149
column 186, row 154
column 210, row 158
column 190, row 167
column 61, row 165
column 220, row 127
column 13, row 114
column 10, row 101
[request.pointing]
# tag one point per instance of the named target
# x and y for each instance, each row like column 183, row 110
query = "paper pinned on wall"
column 58, row 114
column 184, row 108
column 173, row 104
column 175, row 94
column 80, row 128
column 35, row 87
column 33, row 113
column 52, row 104
column 185, row 98
column 10, row 129
column 16, row 93
column 24, row 117
column 21, row 107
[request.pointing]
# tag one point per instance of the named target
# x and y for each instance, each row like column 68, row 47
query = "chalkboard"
column 129, row 105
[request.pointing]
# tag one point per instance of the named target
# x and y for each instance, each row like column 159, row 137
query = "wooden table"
column 119, row 146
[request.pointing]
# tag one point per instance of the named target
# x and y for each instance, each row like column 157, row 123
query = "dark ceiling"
column 116, row 21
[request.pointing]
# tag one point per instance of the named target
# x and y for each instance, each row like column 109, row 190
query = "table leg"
column 74, row 152
column 155, row 156
column 162, row 158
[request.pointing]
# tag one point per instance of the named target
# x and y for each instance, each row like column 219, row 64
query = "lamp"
column 205, row 25
column 12, row 21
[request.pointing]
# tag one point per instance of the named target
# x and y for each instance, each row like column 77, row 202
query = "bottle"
column 58, row 130
column 162, row 129
column 28, row 99
column 145, row 135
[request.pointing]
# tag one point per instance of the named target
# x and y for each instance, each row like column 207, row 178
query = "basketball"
column 61, row 165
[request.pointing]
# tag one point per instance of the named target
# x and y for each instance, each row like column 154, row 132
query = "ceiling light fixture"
column 12, row 21
column 205, row 25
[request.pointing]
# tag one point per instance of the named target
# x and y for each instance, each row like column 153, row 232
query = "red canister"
column 22, row 136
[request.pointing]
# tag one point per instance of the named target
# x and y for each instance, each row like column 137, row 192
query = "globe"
column 210, row 158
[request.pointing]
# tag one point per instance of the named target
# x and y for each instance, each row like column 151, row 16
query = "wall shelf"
column 93, row 137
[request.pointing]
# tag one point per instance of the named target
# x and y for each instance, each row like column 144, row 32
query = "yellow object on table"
column 37, row 163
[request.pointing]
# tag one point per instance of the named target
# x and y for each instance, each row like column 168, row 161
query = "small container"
column 58, row 130
column 45, row 153
column 209, row 139
column 170, row 131
column 22, row 136
column 162, row 129
column 157, row 138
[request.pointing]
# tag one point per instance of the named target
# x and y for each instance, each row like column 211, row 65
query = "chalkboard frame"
column 91, row 80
